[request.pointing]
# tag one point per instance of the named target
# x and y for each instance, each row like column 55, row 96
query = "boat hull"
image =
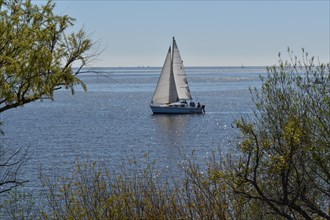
column 177, row 110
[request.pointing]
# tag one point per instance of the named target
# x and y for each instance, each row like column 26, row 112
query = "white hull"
column 177, row 109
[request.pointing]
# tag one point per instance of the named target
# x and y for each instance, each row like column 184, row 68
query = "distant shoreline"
column 156, row 67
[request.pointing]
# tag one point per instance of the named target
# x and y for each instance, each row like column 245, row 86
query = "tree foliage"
column 36, row 53
column 286, row 148
column 36, row 58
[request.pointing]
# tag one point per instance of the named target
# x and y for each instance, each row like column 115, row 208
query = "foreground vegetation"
column 136, row 193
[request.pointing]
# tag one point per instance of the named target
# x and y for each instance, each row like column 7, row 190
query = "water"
column 113, row 120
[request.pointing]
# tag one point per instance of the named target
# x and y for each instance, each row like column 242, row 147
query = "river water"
column 113, row 121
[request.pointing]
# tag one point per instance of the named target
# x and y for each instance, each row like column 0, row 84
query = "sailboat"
column 172, row 94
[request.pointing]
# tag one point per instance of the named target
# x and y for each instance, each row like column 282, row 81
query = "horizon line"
column 239, row 66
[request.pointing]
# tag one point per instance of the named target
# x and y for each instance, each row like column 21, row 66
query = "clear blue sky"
column 208, row 33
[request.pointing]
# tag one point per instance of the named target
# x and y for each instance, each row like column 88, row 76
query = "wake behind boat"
column 172, row 94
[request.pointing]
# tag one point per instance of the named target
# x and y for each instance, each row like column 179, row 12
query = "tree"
column 36, row 58
column 286, row 147
column 36, row 54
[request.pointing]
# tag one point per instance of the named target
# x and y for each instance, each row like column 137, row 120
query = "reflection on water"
column 171, row 127
column 171, row 133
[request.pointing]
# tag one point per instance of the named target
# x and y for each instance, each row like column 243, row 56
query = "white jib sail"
column 165, row 91
column 180, row 75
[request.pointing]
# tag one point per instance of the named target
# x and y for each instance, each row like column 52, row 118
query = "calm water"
column 113, row 119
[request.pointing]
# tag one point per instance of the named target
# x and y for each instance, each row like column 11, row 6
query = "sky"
column 208, row 33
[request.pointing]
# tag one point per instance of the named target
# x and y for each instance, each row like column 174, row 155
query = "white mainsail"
column 180, row 78
column 166, row 91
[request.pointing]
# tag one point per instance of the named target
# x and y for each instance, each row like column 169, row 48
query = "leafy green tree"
column 36, row 53
column 36, row 58
column 286, row 146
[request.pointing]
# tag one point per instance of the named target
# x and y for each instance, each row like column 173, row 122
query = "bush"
column 285, row 148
